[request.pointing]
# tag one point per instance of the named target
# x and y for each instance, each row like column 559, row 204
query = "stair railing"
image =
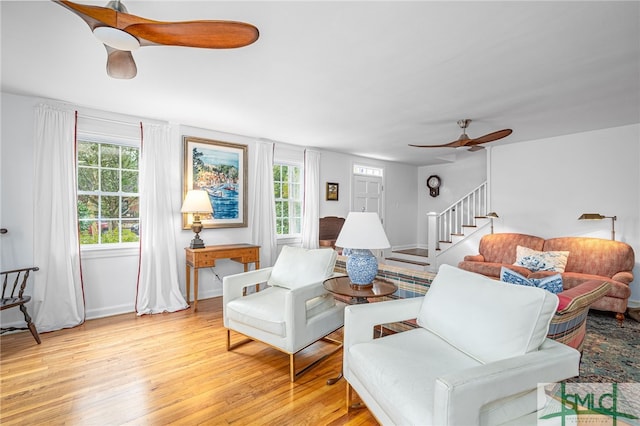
column 460, row 214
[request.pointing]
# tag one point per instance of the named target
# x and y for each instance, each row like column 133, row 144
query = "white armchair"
column 476, row 358
column 294, row 310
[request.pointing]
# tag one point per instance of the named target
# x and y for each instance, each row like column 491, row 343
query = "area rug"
column 611, row 353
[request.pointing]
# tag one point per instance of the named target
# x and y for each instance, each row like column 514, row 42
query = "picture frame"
column 332, row 191
column 220, row 168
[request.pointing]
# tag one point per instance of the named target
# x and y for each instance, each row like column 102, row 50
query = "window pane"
column 110, row 155
column 285, row 173
column 87, row 179
column 294, row 226
column 110, row 232
column 295, row 191
column 130, row 158
column 277, row 190
column 109, row 207
column 87, row 154
column 130, row 231
column 130, row 207
column 89, row 232
column 87, row 206
column 285, row 226
column 276, row 173
column 110, row 180
column 285, row 190
column 129, row 181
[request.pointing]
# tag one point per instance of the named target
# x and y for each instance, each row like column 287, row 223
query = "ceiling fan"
column 465, row 140
column 121, row 33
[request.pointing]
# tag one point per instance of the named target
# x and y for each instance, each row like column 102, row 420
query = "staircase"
column 455, row 224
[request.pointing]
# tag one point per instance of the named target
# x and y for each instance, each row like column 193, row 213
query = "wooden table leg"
column 188, row 281
column 195, row 289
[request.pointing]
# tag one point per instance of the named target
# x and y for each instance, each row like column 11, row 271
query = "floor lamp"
column 491, row 216
column 598, row 216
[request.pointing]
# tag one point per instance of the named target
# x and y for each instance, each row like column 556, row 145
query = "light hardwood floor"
column 163, row 369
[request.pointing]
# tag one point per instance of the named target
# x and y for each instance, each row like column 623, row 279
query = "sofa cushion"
column 552, row 283
column 535, row 260
column 492, row 320
column 298, row 267
column 402, row 383
column 397, row 375
column 501, row 248
column 594, row 256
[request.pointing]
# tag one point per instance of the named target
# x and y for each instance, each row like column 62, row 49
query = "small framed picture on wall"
column 332, row 191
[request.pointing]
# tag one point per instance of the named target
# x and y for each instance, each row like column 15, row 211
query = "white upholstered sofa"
column 476, row 358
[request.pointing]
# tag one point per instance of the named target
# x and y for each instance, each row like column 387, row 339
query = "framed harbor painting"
column 220, row 168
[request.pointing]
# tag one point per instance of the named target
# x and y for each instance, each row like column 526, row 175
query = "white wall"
column 109, row 276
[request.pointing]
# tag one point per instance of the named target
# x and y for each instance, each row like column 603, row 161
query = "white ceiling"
column 365, row 78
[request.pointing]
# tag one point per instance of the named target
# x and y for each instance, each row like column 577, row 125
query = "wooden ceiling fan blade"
column 490, row 137
column 93, row 15
column 120, row 64
column 204, row 34
column 454, row 144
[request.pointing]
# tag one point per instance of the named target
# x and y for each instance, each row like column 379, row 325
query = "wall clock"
column 433, row 182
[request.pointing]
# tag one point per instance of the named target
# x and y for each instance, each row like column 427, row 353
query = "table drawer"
column 204, row 260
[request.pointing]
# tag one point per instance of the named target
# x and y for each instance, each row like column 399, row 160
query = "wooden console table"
column 206, row 258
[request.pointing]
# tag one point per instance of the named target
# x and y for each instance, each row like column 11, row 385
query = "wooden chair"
column 328, row 231
column 12, row 281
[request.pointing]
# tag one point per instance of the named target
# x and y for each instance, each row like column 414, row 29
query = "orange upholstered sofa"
column 589, row 259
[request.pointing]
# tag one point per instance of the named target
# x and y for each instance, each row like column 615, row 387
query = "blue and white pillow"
column 535, row 261
column 551, row 283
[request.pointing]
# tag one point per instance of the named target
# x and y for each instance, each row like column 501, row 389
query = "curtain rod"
column 108, row 120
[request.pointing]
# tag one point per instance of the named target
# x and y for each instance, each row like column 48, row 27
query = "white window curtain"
column 158, row 286
column 58, row 294
column 263, row 214
column 311, row 206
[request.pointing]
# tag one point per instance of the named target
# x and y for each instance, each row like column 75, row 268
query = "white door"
column 367, row 194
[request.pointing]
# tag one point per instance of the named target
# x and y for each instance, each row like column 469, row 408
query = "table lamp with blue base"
column 361, row 232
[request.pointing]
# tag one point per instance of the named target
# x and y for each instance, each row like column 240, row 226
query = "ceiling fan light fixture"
column 116, row 38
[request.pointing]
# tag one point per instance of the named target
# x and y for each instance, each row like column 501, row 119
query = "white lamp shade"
column 197, row 201
column 362, row 230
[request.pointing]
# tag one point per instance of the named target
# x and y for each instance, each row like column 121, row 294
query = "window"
column 367, row 170
column 108, row 201
column 287, row 186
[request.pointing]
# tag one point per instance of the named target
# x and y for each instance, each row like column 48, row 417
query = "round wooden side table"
column 359, row 293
